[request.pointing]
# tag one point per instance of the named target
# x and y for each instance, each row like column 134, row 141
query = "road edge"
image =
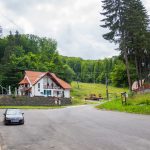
column 2, row 145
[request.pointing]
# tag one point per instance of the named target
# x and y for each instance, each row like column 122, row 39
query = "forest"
column 127, row 22
column 30, row 52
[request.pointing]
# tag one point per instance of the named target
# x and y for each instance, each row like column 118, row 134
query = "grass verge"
column 139, row 104
column 32, row 107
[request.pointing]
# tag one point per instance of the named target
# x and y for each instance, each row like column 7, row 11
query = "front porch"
column 24, row 90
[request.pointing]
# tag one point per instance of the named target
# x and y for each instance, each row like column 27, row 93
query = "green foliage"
column 137, row 104
column 102, row 78
column 91, row 71
column 139, row 99
column 118, row 75
column 68, row 73
column 29, row 52
column 127, row 22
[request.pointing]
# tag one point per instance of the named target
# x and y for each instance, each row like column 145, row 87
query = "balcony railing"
column 24, row 88
column 47, row 87
column 50, row 87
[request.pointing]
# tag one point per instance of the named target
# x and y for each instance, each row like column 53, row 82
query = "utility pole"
column 78, row 84
column 94, row 77
column 107, row 94
column 78, row 81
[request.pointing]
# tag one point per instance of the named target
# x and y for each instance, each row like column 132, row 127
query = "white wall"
column 47, row 79
column 67, row 93
column 19, row 90
column 44, row 81
column 35, row 90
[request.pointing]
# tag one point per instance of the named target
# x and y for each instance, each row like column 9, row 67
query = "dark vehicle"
column 13, row 116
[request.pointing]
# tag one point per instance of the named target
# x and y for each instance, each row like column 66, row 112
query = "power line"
column 11, row 21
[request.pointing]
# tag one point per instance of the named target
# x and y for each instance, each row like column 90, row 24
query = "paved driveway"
column 77, row 128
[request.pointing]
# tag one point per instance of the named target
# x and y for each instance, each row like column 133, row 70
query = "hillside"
column 85, row 89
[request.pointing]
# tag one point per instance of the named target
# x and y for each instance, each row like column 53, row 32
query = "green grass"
column 32, row 107
column 139, row 99
column 139, row 104
column 85, row 89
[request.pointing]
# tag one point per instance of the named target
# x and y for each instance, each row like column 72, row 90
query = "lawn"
column 85, row 89
column 139, row 103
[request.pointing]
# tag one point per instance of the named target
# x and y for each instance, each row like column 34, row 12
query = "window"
column 47, row 92
column 39, row 87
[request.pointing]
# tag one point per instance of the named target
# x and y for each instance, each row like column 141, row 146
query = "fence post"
column 124, row 98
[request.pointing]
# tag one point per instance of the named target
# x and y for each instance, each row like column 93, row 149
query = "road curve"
column 77, row 128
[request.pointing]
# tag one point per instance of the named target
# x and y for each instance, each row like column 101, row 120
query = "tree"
column 118, row 75
column 68, row 73
column 126, row 20
column 114, row 20
column 136, row 29
column 28, row 52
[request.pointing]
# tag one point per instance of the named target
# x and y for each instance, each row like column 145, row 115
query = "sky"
column 74, row 24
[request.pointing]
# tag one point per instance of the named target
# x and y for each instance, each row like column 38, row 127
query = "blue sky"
column 73, row 23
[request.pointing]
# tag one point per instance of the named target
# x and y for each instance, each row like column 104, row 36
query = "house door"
column 47, row 92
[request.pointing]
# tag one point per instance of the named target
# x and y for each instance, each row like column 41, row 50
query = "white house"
column 43, row 84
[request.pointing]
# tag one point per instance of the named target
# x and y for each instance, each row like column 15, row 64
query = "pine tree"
column 136, row 29
column 114, row 12
column 127, row 22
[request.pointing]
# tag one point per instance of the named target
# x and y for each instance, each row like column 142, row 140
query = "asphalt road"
column 77, row 128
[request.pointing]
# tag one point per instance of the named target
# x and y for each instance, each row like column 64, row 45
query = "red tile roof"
column 62, row 83
column 34, row 77
column 24, row 81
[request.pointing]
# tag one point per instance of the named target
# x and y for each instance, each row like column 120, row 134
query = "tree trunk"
column 127, row 67
column 140, row 72
column 137, row 72
column 124, row 49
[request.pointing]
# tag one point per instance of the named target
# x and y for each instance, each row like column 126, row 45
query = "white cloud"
column 73, row 23
column 25, row 25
